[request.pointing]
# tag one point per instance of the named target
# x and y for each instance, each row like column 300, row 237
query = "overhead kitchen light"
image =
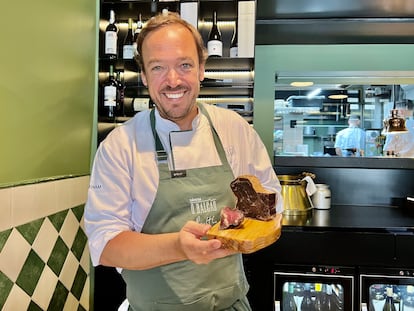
column 338, row 96
column 301, row 83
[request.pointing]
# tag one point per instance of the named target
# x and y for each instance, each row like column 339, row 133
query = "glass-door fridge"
column 305, row 288
column 386, row 289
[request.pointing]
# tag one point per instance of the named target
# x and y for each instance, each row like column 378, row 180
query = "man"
column 151, row 175
column 350, row 142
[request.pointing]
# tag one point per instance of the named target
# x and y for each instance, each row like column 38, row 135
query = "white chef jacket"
column 125, row 175
column 351, row 137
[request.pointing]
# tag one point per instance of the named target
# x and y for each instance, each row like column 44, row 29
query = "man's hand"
column 198, row 250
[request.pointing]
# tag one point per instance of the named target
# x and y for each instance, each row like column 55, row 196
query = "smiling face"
column 173, row 73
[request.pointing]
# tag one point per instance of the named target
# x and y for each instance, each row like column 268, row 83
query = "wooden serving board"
column 251, row 236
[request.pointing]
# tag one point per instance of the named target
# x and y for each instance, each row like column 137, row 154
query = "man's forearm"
column 139, row 251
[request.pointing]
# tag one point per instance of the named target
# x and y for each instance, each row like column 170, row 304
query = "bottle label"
column 111, row 38
column 234, row 51
column 215, row 48
column 109, row 96
column 128, row 52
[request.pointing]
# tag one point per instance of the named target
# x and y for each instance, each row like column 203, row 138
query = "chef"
column 159, row 181
column 350, row 142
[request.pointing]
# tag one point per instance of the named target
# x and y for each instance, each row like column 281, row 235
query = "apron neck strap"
column 161, row 153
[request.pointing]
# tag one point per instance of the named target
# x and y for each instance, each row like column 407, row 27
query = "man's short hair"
column 354, row 117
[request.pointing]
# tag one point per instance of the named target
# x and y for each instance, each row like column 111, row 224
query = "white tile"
column 31, row 202
column 17, row 300
column 45, row 240
column 13, row 255
column 85, row 259
column 69, row 229
column 45, row 196
column 84, row 300
column 72, row 192
column 64, row 193
column 23, row 204
column 5, row 209
column 80, row 190
column 67, row 275
column 45, row 288
column 71, row 303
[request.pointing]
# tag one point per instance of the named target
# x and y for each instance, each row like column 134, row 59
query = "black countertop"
column 354, row 218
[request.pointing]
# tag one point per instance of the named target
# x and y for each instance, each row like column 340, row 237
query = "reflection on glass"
column 312, row 296
column 313, row 124
column 401, row 296
column 402, row 144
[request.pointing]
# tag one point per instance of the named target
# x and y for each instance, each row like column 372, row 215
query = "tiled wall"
column 44, row 259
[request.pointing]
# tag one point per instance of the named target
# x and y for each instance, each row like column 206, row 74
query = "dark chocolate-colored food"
column 230, row 218
column 252, row 199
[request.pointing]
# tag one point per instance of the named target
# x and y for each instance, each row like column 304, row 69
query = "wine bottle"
column 214, row 43
column 389, row 301
column 234, row 47
column 329, row 304
column 137, row 32
column 289, row 303
column 408, row 304
column 189, row 11
column 120, row 95
column 320, row 298
column 128, row 47
column 307, row 303
column 154, row 7
column 109, row 95
column 111, row 37
column 376, row 297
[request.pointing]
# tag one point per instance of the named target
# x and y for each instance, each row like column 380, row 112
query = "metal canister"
column 295, row 198
column 321, row 199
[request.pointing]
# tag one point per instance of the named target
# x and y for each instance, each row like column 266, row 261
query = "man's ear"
column 144, row 78
column 201, row 72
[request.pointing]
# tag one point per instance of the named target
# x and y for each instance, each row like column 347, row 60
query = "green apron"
column 197, row 195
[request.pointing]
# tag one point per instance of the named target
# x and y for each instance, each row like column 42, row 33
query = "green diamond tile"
column 79, row 244
column 34, row 307
column 59, row 298
column 80, row 308
column 30, row 273
column 30, row 230
column 4, row 235
column 58, row 219
column 78, row 211
column 58, row 256
column 5, row 287
column 79, row 283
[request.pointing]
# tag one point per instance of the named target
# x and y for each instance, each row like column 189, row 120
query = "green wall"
column 47, row 88
column 270, row 59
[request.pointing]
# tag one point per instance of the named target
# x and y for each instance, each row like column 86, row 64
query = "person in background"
column 402, row 144
column 350, row 142
column 159, row 181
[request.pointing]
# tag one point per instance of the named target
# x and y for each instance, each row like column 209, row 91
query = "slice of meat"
column 230, row 218
column 252, row 199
